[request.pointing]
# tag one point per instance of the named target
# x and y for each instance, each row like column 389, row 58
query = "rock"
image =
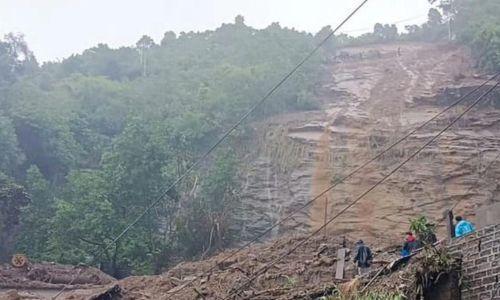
column 323, row 261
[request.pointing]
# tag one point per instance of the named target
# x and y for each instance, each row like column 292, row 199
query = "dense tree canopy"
column 479, row 27
column 95, row 138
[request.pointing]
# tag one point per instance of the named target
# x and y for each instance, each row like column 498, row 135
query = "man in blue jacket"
column 463, row 227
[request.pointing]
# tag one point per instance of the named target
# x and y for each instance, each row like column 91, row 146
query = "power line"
column 228, row 132
column 231, row 129
column 341, row 180
column 395, row 22
column 477, row 182
column 266, row 267
column 485, row 171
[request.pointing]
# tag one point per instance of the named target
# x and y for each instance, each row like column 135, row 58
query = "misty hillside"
column 89, row 142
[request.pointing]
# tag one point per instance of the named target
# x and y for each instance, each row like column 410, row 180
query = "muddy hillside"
column 370, row 97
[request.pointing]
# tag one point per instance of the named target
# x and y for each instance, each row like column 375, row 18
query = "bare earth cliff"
column 370, row 98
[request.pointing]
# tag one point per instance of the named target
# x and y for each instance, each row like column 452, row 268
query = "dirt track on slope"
column 369, row 98
column 369, row 104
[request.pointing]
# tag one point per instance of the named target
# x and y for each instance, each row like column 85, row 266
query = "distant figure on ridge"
column 463, row 227
column 363, row 258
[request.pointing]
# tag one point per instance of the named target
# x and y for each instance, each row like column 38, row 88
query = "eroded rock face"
column 369, row 102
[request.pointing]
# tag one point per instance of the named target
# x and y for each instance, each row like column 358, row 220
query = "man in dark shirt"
column 363, row 258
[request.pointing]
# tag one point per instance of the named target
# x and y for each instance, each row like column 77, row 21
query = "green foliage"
column 434, row 29
column 16, row 60
column 475, row 24
column 83, row 220
column 385, row 32
column 11, row 157
column 12, row 198
column 436, row 263
column 36, row 217
column 116, row 64
column 437, row 260
column 205, row 226
column 479, row 27
column 95, row 139
column 423, row 228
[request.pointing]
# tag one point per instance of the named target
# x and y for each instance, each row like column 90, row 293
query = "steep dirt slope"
column 371, row 97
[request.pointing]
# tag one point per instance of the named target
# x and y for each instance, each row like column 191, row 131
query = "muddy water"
column 321, row 180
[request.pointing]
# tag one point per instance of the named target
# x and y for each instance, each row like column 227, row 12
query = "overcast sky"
column 55, row 29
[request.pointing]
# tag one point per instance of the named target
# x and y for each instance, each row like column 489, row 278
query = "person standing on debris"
column 463, row 227
column 363, row 258
column 410, row 244
column 429, row 238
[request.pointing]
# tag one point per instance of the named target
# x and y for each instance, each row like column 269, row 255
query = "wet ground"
column 369, row 101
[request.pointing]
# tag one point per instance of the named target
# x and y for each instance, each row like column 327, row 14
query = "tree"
column 16, row 59
column 378, row 30
column 13, row 198
column 434, row 17
column 95, row 143
column 36, row 217
column 239, row 20
column 479, row 27
column 43, row 128
column 385, row 32
column 425, row 231
column 85, row 222
column 168, row 37
column 322, row 34
column 12, row 157
column 447, row 6
column 145, row 42
column 412, row 29
column 115, row 64
column 205, row 226
column 143, row 45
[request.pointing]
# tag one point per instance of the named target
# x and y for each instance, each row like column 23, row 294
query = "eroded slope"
column 370, row 98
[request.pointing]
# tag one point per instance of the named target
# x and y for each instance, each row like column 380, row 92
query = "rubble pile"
column 49, row 276
column 307, row 273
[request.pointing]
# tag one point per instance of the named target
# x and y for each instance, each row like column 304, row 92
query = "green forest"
column 87, row 143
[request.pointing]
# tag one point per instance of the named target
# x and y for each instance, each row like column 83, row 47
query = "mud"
column 45, row 280
column 368, row 103
column 308, row 271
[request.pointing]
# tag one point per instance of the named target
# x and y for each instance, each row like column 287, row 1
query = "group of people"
column 364, row 256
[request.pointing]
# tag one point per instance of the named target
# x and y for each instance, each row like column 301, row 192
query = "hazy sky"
column 56, row 29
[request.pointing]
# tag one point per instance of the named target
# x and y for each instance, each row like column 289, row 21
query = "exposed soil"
column 309, row 271
column 368, row 102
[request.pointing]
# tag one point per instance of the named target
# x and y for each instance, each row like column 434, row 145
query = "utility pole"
column 143, row 58
column 450, row 228
column 450, row 20
column 326, row 215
